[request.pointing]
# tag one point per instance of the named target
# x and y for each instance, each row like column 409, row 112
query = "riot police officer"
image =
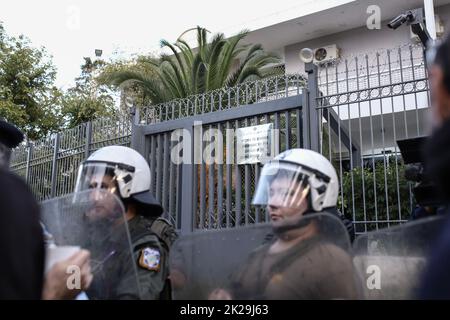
column 124, row 172
column 308, row 257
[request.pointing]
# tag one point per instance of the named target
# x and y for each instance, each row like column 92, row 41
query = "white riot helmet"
column 123, row 166
column 303, row 173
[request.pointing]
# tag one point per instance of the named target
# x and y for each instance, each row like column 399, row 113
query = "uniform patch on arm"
column 150, row 259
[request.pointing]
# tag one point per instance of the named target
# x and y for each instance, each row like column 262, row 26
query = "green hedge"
column 382, row 186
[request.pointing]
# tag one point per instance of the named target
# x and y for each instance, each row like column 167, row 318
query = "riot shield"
column 309, row 259
column 95, row 220
column 390, row 261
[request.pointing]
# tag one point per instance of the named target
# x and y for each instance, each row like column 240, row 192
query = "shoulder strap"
column 140, row 231
column 164, row 230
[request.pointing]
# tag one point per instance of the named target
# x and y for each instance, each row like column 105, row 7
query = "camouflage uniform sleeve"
column 151, row 261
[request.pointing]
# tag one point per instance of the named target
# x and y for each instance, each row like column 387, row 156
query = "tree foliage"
column 131, row 90
column 187, row 71
column 88, row 99
column 27, row 92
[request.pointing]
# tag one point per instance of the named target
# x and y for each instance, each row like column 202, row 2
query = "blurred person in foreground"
column 22, row 248
column 436, row 278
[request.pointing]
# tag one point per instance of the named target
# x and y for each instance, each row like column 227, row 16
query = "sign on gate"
column 254, row 144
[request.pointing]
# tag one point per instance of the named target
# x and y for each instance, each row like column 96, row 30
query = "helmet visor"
column 283, row 185
column 96, row 175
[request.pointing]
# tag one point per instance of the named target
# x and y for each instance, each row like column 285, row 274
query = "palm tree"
column 187, row 71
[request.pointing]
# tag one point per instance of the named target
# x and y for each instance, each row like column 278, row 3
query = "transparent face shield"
column 283, row 185
column 99, row 176
column 237, row 263
column 94, row 220
column 95, row 183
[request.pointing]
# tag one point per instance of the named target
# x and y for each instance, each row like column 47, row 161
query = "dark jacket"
column 436, row 279
column 21, row 241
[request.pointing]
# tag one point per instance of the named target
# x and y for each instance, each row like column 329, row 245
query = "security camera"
column 415, row 19
column 408, row 17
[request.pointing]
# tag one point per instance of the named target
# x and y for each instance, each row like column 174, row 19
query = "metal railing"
column 366, row 104
column 251, row 92
column 49, row 165
column 362, row 104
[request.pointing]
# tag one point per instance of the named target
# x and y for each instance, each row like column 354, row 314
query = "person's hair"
column 5, row 156
column 442, row 60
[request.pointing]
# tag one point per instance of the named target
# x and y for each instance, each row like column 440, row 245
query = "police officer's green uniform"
column 143, row 275
column 151, row 239
column 125, row 173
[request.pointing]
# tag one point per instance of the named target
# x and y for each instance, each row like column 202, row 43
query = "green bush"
column 377, row 192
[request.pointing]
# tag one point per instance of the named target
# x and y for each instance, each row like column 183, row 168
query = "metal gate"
column 352, row 111
column 200, row 192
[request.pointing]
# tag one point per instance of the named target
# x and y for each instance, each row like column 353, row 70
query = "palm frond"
column 230, row 52
column 186, row 51
column 188, row 71
column 178, row 78
column 181, row 65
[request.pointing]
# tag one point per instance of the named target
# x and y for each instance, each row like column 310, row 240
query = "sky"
column 73, row 29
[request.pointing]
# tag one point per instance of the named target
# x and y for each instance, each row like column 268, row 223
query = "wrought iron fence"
column 363, row 105
column 251, row 92
column 50, row 165
column 366, row 103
